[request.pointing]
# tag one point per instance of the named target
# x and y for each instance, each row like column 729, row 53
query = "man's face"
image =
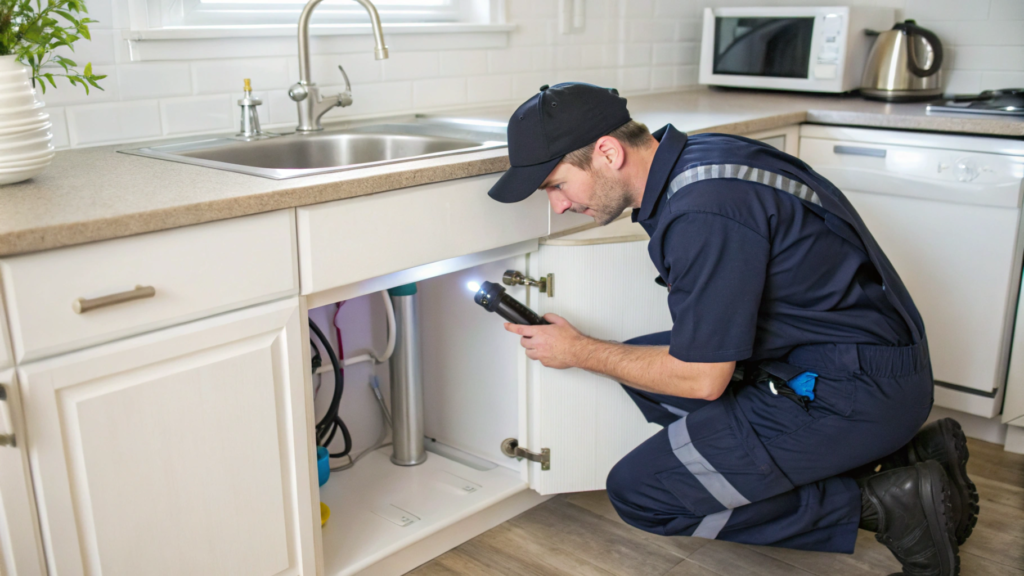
column 596, row 193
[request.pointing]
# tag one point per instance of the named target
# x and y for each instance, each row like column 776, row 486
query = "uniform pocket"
column 722, row 462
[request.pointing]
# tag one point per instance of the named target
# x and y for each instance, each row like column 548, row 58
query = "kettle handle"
column 932, row 39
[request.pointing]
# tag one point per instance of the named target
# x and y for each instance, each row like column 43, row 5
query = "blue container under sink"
column 323, row 464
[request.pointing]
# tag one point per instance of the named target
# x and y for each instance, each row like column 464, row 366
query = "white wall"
column 983, row 39
column 638, row 46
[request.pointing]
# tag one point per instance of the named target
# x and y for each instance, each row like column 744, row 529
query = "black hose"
column 332, row 422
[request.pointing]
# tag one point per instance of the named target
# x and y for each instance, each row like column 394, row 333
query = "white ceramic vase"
column 26, row 143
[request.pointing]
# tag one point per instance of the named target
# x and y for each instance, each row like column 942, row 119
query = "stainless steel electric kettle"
column 903, row 65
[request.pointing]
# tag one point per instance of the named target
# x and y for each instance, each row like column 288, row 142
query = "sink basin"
column 295, row 155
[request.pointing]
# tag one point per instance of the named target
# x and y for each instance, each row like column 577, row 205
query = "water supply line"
column 370, row 356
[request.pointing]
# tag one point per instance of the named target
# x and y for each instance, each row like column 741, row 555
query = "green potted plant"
column 32, row 32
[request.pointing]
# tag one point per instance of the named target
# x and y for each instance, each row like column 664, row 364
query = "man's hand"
column 558, row 345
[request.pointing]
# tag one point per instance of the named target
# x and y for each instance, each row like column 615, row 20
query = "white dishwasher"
column 946, row 210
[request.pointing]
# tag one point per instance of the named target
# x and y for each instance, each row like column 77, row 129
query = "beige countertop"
column 95, row 194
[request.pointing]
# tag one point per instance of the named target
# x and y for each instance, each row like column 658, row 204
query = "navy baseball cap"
column 556, row 121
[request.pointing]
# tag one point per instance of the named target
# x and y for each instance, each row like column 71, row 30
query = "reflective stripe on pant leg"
column 712, row 524
column 712, row 480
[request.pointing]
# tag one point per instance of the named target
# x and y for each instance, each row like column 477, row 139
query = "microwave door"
column 776, row 47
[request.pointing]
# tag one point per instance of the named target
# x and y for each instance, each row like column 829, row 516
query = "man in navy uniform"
column 796, row 373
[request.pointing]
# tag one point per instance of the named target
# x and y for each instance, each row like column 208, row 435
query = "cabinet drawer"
column 351, row 240
column 194, row 271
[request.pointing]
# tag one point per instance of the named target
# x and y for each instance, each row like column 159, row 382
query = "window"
column 196, row 13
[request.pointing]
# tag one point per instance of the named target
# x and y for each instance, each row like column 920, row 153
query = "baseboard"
column 1014, row 439
column 987, row 429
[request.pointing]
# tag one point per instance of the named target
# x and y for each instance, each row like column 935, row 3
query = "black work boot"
column 910, row 510
column 944, row 442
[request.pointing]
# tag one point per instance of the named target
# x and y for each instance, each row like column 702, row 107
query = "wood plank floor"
column 582, row 534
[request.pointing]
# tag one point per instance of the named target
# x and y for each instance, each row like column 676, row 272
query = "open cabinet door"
column 604, row 285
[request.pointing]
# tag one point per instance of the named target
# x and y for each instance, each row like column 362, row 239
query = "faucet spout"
column 306, row 94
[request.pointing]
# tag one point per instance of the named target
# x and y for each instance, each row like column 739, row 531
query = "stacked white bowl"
column 26, row 147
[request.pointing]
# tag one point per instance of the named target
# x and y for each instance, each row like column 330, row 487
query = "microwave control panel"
column 826, row 66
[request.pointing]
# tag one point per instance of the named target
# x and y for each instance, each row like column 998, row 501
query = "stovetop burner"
column 1006, row 102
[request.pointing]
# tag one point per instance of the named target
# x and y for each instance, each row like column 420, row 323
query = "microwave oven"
column 807, row 49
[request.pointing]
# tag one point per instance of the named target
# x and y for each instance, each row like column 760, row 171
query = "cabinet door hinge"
column 546, row 284
column 511, row 448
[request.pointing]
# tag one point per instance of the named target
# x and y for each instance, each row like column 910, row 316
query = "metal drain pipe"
column 406, row 380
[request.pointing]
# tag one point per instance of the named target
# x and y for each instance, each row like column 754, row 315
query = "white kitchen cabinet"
column 181, row 451
column 786, row 138
column 604, row 285
column 347, row 241
column 193, row 272
column 21, row 552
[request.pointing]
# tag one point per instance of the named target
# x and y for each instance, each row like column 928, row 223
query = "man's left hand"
column 557, row 345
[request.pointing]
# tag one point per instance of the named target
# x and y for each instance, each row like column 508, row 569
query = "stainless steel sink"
column 333, row 150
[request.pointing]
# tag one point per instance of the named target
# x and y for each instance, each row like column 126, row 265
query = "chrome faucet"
column 312, row 105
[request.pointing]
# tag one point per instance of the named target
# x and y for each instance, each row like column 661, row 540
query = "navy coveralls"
column 768, row 264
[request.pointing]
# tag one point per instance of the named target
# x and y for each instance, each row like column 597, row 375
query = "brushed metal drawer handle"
column 6, row 439
column 83, row 305
column 859, row 151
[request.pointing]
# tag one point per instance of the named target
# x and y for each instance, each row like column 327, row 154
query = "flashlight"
column 494, row 298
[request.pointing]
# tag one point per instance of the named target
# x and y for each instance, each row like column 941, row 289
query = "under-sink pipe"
column 406, row 381
column 371, row 356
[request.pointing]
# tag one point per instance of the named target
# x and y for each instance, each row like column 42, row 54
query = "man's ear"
column 609, row 152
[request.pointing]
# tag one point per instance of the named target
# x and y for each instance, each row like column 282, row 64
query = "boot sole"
column 939, row 512
column 954, row 461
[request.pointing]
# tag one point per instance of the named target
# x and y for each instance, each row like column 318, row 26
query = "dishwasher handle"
column 893, row 183
column 859, row 151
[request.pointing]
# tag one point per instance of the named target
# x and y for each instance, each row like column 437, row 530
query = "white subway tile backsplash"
column 103, row 12
column 663, row 77
column 677, row 9
column 99, row 50
column 376, row 99
column 1005, row 58
column 989, row 32
column 113, row 122
column 568, row 57
column 635, row 79
column 634, row 45
column 669, row 53
column 634, row 54
column 463, row 63
column 509, row 60
column 527, row 84
column 226, row 76
column 961, row 81
column 438, row 92
column 947, row 9
column 411, row 65
column 196, row 114
column 998, row 80
column 65, row 93
column 686, row 76
column 1006, row 10
column 361, row 68
column 493, row 88
column 689, row 30
column 60, row 127
column 154, row 80
column 595, row 56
